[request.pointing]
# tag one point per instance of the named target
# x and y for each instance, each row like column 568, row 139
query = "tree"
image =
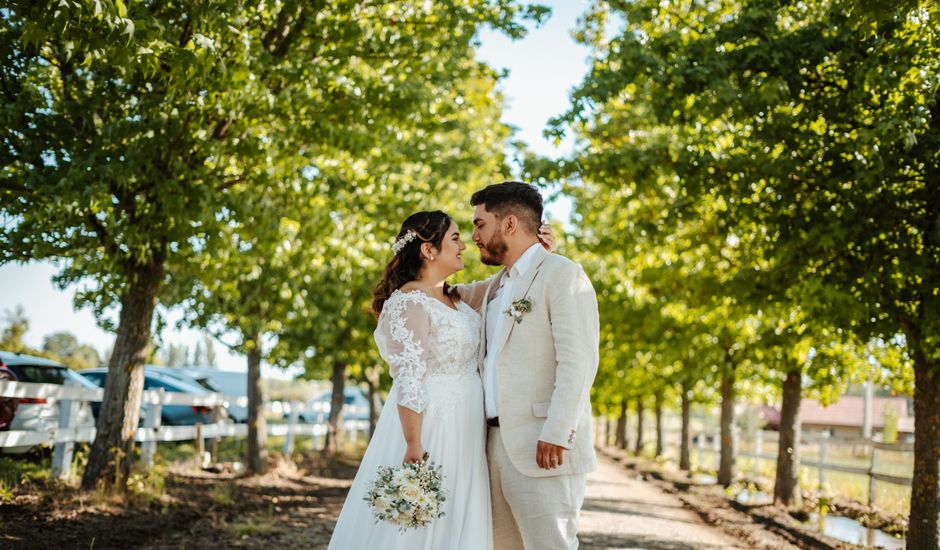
column 806, row 120
column 12, row 337
column 130, row 131
column 290, row 269
column 66, row 347
column 175, row 355
column 211, row 358
column 198, row 357
column 62, row 343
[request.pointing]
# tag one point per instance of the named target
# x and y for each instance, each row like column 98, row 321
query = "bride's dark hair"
column 430, row 227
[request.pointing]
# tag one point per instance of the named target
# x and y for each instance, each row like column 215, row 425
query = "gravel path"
column 622, row 512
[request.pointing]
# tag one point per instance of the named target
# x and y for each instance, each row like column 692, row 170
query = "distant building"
column 844, row 418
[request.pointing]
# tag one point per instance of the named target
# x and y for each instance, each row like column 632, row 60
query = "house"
column 844, row 418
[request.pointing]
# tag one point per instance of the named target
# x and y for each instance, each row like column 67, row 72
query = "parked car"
column 8, row 405
column 231, row 383
column 170, row 415
column 41, row 414
column 355, row 406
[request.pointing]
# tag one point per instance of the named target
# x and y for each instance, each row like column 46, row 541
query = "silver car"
column 41, row 414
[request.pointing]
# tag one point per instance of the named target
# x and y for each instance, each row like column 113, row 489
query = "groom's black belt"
column 493, row 422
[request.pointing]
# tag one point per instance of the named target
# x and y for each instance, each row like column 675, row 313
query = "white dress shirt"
column 495, row 317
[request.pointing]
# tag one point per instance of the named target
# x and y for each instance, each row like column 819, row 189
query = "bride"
column 431, row 340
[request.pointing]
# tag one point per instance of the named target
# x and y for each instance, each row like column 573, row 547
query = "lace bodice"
column 421, row 337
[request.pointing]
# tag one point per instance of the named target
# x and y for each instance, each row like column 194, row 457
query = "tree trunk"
column 638, row 447
column 786, row 486
column 373, row 379
column 256, row 461
column 658, row 407
column 726, row 463
column 334, row 430
column 924, row 531
column 109, row 461
column 685, row 446
column 622, row 425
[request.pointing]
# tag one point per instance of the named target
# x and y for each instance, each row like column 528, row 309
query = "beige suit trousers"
column 532, row 513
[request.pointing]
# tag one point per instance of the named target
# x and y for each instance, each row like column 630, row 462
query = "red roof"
column 848, row 411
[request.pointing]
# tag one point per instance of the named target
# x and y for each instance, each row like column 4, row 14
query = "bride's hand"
column 547, row 236
column 413, row 454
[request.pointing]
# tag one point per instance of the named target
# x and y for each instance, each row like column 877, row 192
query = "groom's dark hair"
column 512, row 197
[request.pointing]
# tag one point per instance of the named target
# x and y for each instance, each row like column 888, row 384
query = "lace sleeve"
column 403, row 340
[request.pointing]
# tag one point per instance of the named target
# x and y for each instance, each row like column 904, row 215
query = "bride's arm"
column 473, row 294
column 404, row 343
column 411, row 429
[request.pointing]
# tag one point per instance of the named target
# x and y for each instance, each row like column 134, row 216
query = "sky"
column 543, row 67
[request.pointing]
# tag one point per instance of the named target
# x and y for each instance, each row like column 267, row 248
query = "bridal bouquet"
column 409, row 496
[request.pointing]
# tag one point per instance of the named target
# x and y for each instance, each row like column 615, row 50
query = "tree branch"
column 281, row 28
column 229, row 183
column 187, row 32
column 16, row 188
column 284, row 44
column 221, row 128
column 102, row 234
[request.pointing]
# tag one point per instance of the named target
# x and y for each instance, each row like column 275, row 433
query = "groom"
column 539, row 354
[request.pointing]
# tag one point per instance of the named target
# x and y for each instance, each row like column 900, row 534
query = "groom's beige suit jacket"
column 546, row 363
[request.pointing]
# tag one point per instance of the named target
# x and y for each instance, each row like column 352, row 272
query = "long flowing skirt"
column 454, row 433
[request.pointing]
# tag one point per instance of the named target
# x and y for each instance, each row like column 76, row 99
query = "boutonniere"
column 519, row 308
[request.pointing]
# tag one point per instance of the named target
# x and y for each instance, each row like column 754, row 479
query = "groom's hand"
column 549, row 456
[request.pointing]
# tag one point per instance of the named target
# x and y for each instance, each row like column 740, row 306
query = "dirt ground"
column 292, row 507
column 295, row 506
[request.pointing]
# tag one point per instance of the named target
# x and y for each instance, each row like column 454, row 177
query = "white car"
column 39, row 414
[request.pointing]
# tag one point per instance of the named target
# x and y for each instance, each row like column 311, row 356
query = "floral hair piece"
column 405, row 239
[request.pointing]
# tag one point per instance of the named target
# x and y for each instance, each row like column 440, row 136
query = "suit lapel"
column 520, row 291
column 486, row 300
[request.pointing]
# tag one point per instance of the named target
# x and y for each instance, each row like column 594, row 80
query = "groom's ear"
column 510, row 224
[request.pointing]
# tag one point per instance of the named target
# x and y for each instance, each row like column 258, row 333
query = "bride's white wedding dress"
column 431, row 349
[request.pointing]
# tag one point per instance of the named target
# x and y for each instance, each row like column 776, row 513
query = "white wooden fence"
column 64, row 436
column 760, row 439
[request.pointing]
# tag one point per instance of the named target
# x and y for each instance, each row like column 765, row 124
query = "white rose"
column 410, row 492
column 381, row 504
column 401, row 476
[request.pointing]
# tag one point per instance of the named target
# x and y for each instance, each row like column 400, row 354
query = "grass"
column 263, row 524
column 24, row 469
column 223, row 495
column 147, row 485
column 232, row 449
column 6, row 493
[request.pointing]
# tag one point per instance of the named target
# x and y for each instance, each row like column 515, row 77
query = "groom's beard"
column 493, row 252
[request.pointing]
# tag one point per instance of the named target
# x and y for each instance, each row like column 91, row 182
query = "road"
column 622, row 512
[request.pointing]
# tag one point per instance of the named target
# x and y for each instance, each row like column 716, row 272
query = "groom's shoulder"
column 557, row 262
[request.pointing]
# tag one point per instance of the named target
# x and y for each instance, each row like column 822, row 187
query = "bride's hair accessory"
column 409, row 236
